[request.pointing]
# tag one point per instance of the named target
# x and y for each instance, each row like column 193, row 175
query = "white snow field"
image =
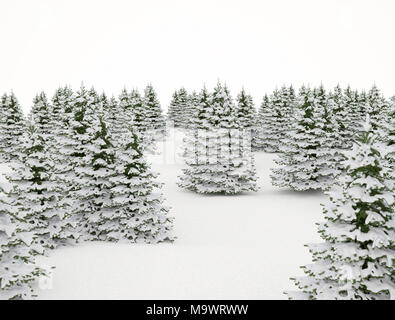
column 227, row 247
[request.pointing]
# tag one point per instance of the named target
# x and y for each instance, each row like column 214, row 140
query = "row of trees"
column 309, row 130
column 78, row 173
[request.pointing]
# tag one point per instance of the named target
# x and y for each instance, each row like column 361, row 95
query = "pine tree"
column 214, row 159
column 12, row 125
column 262, row 132
column 154, row 121
column 93, row 174
column 18, row 268
column 245, row 111
column 356, row 261
column 37, row 193
column 307, row 161
column 40, row 115
column 377, row 109
column 126, row 107
column 174, row 113
column 135, row 212
column 355, row 109
column 341, row 116
column 191, row 109
column 276, row 119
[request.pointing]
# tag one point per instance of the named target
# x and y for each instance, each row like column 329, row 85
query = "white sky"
column 255, row 44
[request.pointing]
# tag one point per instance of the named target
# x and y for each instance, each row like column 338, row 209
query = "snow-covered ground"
column 227, row 247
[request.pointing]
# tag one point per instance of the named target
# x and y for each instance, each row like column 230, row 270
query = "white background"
column 256, row 44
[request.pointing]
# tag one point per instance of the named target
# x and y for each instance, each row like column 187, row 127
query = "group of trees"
column 217, row 144
column 323, row 144
column 78, row 173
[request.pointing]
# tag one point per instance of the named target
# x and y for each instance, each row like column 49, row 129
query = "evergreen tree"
column 355, row 110
column 174, row 112
column 12, row 125
column 191, row 109
column 40, row 116
column 126, row 107
column 377, row 108
column 307, row 161
column 262, row 132
column 154, row 121
column 245, row 111
column 275, row 120
column 214, row 158
column 356, row 261
column 135, row 212
column 341, row 116
column 93, row 196
column 18, row 268
column 36, row 193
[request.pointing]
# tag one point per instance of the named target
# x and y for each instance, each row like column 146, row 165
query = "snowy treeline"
column 78, row 173
column 309, row 130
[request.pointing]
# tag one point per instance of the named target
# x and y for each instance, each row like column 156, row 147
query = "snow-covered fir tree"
column 18, row 269
column 263, row 125
column 36, row 193
column 126, row 107
column 341, row 116
column 275, row 116
column 174, row 112
column 154, row 121
column 93, row 174
column 355, row 110
column 191, row 109
column 377, row 109
column 245, row 110
column 135, row 212
column 306, row 161
column 356, row 261
column 40, row 115
column 12, row 126
column 216, row 161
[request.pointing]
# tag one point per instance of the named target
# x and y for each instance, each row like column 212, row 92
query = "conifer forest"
column 180, row 151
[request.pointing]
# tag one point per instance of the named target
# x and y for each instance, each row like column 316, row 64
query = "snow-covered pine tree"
column 190, row 111
column 12, row 126
column 263, row 126
column 245, row 110
column 341, row 116
column 302, row 162
column 377, row 109
column 116, row 122
column 139, row 112
column 36, row 193
column 40, row 116
column 154, row 121
column 126, row 107
column 214, row 159
column 174, row 113
column 18, row 268
column 275, row 123
column 135, row 212
column 356, row 114
column 93, row 196
column 357, row 259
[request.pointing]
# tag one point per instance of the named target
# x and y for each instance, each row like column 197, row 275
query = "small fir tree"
column 12, row 126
